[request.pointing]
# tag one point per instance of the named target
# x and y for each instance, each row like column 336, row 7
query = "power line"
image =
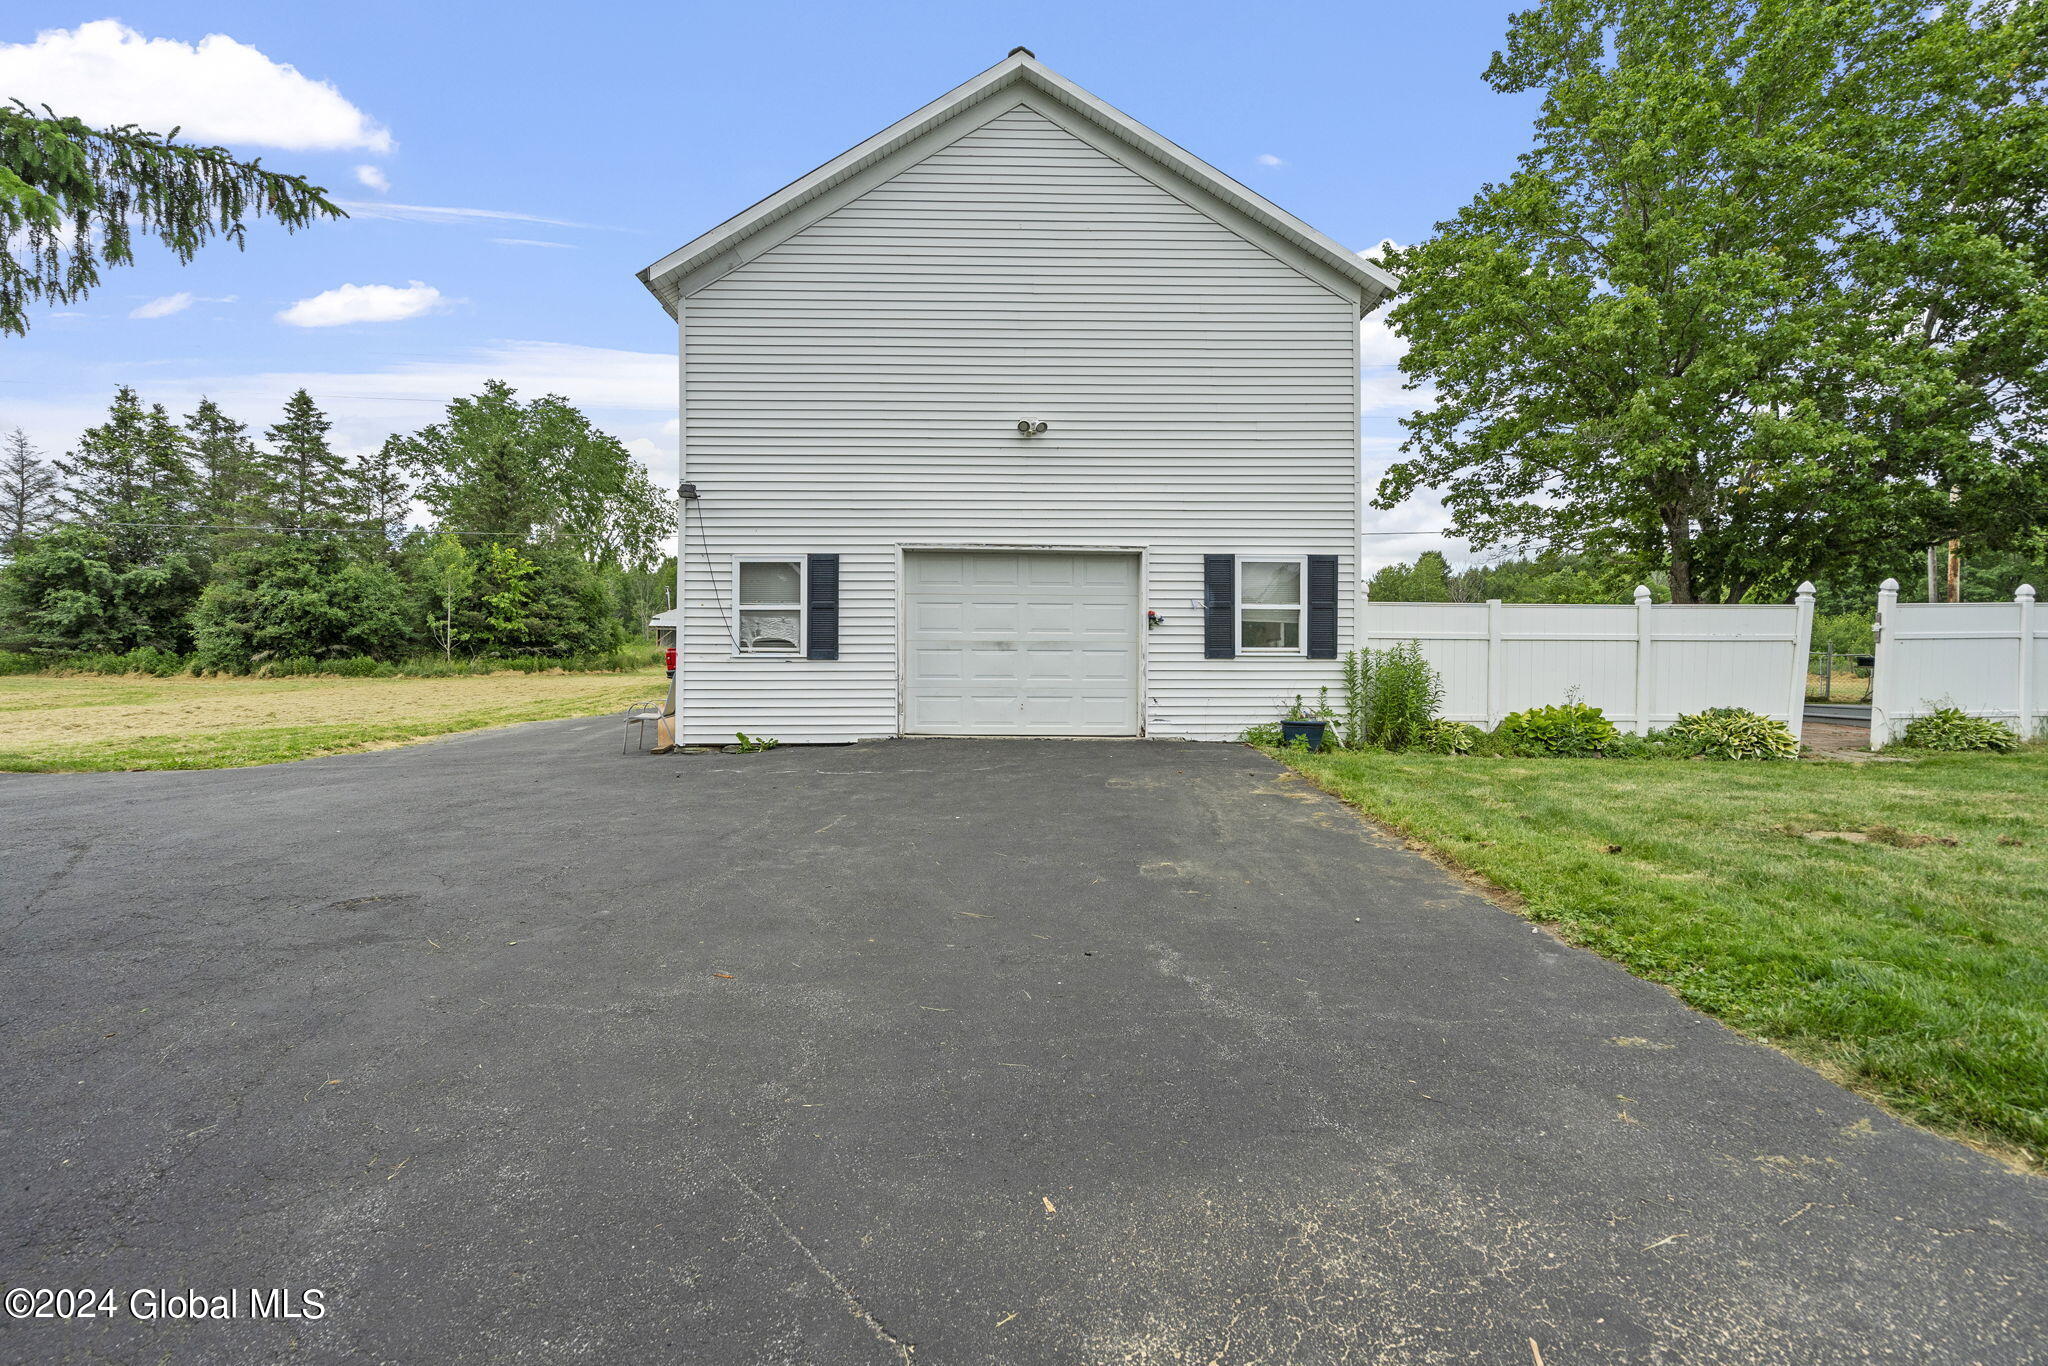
column 372, row 531
column 233, row 526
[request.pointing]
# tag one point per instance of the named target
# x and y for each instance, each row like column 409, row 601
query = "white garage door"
column 1020, row 644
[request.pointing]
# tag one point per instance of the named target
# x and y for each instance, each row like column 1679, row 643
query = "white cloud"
column 530, row 242
column 373, row 177
column 168, row 304
column 433, row 213
column 363, row 304
column 163, row 307
column 1268, row 159
column 217, row 91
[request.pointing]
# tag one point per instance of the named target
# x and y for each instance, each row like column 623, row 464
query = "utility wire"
column 710, row 571
column 234, row 526
column 702, row 537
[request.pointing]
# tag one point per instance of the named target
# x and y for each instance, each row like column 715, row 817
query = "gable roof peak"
column 1021, row 67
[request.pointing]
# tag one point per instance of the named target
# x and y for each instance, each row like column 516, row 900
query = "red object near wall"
column 671, row 665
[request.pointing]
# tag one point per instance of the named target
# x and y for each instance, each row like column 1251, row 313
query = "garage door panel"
column 927, row 616
column 991, row 571
column 1049, row 620
column 1050, row 571
column 984, row 617
column 1003, row 643
column 1097, row 666
column 1111, row 620
column 1051, row 665
column 1106, row 571
column 991, row 664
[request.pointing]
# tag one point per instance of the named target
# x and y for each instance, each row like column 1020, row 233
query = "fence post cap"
column 1806, row 589
column 1888, row 586
column 2024, row 593
column 1642, row 593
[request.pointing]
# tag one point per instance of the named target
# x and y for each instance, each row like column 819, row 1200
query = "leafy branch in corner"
column 74, row 197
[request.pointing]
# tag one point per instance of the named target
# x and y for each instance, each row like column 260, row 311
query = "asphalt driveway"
column 950, row 1051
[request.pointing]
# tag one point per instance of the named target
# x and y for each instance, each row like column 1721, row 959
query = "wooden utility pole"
column 1955, row 557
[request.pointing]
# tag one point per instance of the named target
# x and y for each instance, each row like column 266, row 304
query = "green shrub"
column 146, row 659
column 1567, row 730
column 308, row 599
column 436, row 666
column 74, row 592
column 1658, row 744
column 349, row 666
column 1847, row 633
column 1952, row 728
column 1450, row 737
column 15, row 662
column 1266, row 733
column 1734, row 733
column 1390, row 697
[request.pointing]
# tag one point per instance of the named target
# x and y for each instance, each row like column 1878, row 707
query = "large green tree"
column 1769, row 285
column 72, row 591
column 74, row 197
column 307, row 483
column 538, row 470
column 130, row 480
column 230, row 474
column 307, row 597
column 28, row 493
column 125, row 567
column 379, row 491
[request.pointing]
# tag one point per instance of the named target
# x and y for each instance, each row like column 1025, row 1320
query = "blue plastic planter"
column 1309, row 733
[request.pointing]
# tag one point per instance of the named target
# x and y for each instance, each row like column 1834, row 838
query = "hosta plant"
column 1952, row 728
column 1449, row 737
column 1567, row 730
column 1734, row 733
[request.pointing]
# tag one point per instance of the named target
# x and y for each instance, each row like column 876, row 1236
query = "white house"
column 1015, row 419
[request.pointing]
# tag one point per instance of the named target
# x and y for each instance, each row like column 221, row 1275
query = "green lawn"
column 92, row 723
column 1913, row 966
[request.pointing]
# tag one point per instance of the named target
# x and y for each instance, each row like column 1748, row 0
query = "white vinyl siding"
column 856, row 387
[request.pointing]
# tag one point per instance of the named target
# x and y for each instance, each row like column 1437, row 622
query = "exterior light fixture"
column 1029, row 428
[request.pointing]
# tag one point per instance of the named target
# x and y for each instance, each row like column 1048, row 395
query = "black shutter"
column 1219, row 606
column 821, row 578
column 1322, row 607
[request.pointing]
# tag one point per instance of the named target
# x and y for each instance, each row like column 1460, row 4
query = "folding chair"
column 642, row 714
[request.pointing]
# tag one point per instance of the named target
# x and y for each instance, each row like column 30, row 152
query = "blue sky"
column 575, row 146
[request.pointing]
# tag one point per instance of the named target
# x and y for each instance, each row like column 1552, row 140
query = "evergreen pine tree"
column 131, row 481
column 125, row 568
column 28, row 494
column 379, row 493
column 230, row 475
column 308, row 483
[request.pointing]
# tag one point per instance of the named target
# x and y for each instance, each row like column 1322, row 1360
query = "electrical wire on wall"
column 704, row 551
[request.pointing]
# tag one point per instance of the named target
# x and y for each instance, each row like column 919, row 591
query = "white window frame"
column 801, row 606
column 1300, row 607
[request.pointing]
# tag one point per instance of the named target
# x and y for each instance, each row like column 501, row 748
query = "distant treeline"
column 193, row 539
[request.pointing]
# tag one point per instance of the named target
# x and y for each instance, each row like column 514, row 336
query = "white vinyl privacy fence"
column 1988, row 658
column 1643, row 664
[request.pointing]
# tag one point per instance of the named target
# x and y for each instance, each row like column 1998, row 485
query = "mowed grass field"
column 99, row 723
column 1910, row 964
